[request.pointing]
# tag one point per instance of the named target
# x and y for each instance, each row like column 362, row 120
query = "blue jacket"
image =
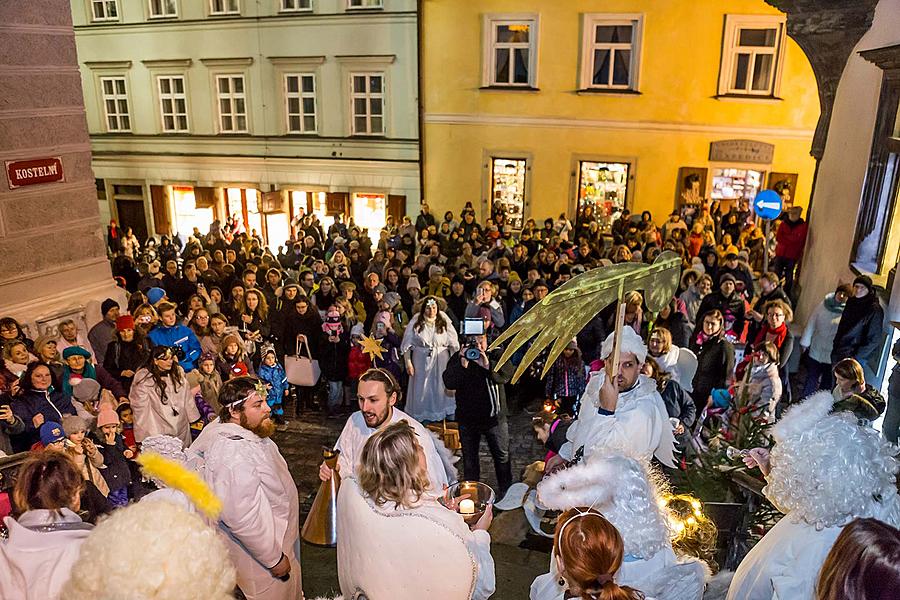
column 180, row 336
column 52, row 405
column 277, row 379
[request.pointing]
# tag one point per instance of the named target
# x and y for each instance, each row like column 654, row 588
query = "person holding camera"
column 481, row 406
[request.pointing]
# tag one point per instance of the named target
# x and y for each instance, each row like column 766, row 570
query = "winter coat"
column 8, row 429
column 153, row 417
column 357, row 362
column 715, row 362
column 566, row 378
column 124, row 356
column 790, row 238
column 209, row 388
column 180, row 336
column 35, row 564
column 679, row 404
column 480, row 395
column 818, row 335
column 51, row 405
column 117, row 472
column 334, row 355
column 278, row 384
column 692, row 299
column 392, row 360
column 861, row 337
column 309, row 325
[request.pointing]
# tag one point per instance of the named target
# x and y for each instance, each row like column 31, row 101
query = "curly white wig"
column 152, row 550
column 827, row 471
column 631, row 342
column 623, row 489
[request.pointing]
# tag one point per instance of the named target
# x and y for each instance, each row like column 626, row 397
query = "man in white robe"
column 625, row 414
column 377, row 395
column 260, row 509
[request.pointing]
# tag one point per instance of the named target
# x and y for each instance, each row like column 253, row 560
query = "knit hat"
column 206, row 356
column 75, row 351
column 73, row 424
column 239, row 369
column 86, row 389
column 107, row 305
column 124, row 322
column 267, row 348
column 540, row 283
column 864, row 280
column 513, row 276
column 392, row 299
column 413, row 283
column 727, row 277
column 107, row 416
column 380, row 289
column 435, row 270
column 631, row 343
column 51, row 432
column 155, row 294
column 232, row 337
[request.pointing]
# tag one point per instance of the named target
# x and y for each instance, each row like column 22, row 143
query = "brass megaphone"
column 320, row 527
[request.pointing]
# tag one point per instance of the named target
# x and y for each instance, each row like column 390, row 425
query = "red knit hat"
column 125, row 322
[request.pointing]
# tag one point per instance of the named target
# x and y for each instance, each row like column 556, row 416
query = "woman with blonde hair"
column 392, row 477
column 428, row 342
column 254, row 313
column 46, row 350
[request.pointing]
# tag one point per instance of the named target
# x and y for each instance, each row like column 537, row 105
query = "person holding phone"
column 10, row 424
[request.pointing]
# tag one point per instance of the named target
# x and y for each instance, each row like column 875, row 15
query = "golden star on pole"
column 372, row 347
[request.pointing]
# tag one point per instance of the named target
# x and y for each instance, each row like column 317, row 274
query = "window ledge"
column 607, row 92
column 354, row 9
column 748, row 98
column 508, row 88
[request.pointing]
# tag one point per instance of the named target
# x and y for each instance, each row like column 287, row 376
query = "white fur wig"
column 625, row 491
column 631, row 342
column 827, row 471
column 152, row 550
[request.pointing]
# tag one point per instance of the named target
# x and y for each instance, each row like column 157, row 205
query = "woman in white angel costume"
column 824, row 471
column 626, row 492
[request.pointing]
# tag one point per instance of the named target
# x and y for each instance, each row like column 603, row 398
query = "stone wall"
column 52, row 245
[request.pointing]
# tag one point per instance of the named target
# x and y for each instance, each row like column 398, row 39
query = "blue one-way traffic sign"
column 767, row 205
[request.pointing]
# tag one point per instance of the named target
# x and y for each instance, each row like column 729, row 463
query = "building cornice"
column 296, row 60
column 117, row 65
column 245, row 61
column 180, row 63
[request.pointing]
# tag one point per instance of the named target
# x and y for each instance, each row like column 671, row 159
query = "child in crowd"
column 273, row 374
column 383, row 329
column 206, row 412
column 763, row 382
column 210, row 380
column 84, row 452
column 126, row 419
column 550, row 430
column 566, row 381
column 117, row 473
column 233, row 358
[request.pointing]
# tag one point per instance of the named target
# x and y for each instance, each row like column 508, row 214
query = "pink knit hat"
column 107, row 416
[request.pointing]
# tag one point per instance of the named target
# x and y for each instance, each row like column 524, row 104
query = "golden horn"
column 320, row 527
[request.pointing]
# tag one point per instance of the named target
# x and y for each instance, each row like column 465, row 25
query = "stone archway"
column 826, row 31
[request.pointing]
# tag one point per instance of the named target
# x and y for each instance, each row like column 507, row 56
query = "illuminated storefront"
column 507, row 193
column 603, row 185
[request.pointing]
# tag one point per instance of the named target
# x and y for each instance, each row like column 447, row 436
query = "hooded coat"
column 818, row 335
column 858, row 333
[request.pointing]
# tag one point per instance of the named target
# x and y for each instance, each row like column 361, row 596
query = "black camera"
column 471, row 329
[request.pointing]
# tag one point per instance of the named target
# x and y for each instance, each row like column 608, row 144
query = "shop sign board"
column 34, row 171
column 767, row 205
column 741, row 151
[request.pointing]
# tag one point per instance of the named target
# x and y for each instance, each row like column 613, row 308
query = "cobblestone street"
column 301, row 443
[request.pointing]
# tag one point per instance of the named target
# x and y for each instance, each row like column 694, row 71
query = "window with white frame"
column 511, row 51
column 296, row 5
column 367, row 102
column 104, row 10
column 115, row 103
column 232, row 103
column 162, row 8
column 172, row 103
column 751, row 55
column 300, row 96
column 365, row 3
column 611, row 51
column 224, row 7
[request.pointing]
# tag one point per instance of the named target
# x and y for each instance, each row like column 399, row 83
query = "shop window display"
column 603, row 185
column 735, row 184
column 508, row 190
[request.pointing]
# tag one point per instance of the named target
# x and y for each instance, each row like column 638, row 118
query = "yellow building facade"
column 542, row 106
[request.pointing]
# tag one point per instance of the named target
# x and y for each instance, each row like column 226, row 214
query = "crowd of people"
column 396, row 328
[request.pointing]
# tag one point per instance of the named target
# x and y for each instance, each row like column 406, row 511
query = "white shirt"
column 356, row 432
column 639, row 427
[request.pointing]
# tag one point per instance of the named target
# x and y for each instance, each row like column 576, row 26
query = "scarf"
column 777, row 335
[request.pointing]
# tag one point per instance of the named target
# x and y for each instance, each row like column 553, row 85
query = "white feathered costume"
column 640, row 424
column 626, row 492
column 825, row 472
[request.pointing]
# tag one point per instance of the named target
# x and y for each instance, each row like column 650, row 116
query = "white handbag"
column 302, row 370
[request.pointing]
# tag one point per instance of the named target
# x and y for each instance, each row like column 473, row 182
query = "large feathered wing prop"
column 562, row 314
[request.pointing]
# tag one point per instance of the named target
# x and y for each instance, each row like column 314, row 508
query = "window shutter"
column 205, row 197
column 161, row 222
column 337, row 203
column 397, row 207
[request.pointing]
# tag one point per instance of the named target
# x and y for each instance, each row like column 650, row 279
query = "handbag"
column 302, row 370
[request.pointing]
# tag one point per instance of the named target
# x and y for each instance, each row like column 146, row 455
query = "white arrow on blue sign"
column 767, row 205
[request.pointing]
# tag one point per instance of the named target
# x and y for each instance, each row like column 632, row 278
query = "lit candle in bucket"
column 466, row 507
